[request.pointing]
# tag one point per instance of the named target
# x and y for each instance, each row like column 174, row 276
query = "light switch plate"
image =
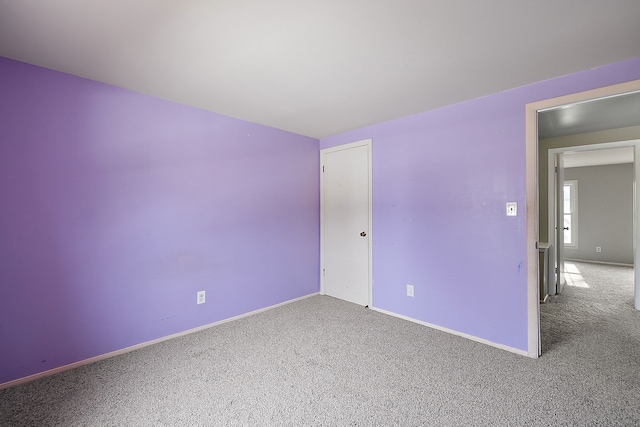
column 512, row 208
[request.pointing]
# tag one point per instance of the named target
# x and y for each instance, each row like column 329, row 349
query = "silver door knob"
column 363, row 234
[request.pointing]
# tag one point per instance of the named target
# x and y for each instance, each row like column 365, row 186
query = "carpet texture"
column 325, row 362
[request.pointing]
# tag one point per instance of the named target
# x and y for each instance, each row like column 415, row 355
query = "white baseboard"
column 454, row 332
column 142, row 345
column 589, row 261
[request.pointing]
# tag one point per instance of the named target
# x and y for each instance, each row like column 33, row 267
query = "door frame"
column 557, row 214
column 577, row 148
column 532, row 219
column 362, row 143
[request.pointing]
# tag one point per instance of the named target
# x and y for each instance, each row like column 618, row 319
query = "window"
column 571, row 213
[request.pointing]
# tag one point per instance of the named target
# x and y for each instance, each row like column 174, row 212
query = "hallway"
column 594, row 317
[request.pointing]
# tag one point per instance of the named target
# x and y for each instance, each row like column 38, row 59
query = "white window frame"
column 573, row 229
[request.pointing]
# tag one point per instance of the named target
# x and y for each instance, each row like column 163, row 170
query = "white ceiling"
column 319, row 67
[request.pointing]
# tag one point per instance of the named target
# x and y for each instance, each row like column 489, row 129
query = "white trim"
column 589, row 261
column 636, row 226
column 533, row 291
column 362, row 143
column 531, row 150
column 142, row 345
column 454, row 332
column 348, row 146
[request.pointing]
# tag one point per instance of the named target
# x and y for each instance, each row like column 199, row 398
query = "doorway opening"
column 532, row 183
column 606, row 171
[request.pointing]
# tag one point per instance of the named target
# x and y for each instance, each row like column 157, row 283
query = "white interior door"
column 559, row 191
column 346, row 222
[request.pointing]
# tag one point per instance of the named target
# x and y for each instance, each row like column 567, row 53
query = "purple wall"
column 440, row 183
column 116, row 208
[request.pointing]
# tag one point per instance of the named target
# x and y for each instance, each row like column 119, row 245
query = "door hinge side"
column 322, row 168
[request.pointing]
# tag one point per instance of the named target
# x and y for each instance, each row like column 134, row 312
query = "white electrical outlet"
column 512, row 208
column 201, row 297
column 598, row 249
column 409, row 290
